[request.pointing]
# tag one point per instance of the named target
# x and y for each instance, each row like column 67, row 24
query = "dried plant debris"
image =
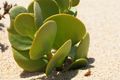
column 6, row 8
column 88, row 73
column 3, row 47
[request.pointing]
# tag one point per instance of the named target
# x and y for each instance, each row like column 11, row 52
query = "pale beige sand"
column 102, row 20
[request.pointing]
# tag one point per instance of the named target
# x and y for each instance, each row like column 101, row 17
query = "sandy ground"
column 101, row 18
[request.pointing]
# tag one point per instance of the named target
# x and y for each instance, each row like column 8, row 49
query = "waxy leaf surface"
column 24, row 25
column 63, row 5
column 37, row 14
column 83, row 47
column 43, row 41
column 23, row 60
column 59, row 57
column 74, row 2
column 48, row 8
column 68, row 27
column 79, row 63
column 20, row 42
column 16, row 10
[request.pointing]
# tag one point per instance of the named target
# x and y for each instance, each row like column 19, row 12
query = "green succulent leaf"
column 43, row 41
column 23, row 60
column 72, row 11
column 79, row 63
column 13, row 13
column 48, row 8
column 72, row 53
column 24, row 24
column 59, row 57
column 11, row 29
column 63, row 5
column 47, row 36
column 20, row 42
column 68, row 27
column 30, row 7
column 74, row 2
column 16, row 10
column 83, row 47
column 37, row 14
column 17, row 41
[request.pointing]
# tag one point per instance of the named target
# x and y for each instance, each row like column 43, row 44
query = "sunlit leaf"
column 11, row 29
column 16, row 10
column 13, row 13
column 79, row 63
column 17, row 41
column 72, row 11
column 24, row 24
column 59, row 57
column 20, row 42
column 43, row 41
column 30, row 7
column 74, row 2
column 83, row 47
column 72, row 53
column 23, row 60
column 48, row 8
column 37, row 14
column 63, row 5
column 68, row 27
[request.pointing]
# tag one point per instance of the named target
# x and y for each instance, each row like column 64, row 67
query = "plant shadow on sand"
column 68, row 75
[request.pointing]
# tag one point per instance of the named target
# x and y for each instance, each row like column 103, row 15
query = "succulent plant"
column 47, row 34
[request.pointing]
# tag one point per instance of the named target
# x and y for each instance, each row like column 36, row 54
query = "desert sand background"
column 102, row 20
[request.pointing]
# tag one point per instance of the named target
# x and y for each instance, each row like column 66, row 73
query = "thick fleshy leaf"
column 72, row 53
column 20, row 42
column 37, row 14
column 63, row 5
column 72, row 11
column 23, row 60
column 24, row 24
column 13, row 13
column 59, row 57
column 48, row 8
column 74, row 2
column 30, row 7
column 11, row 29
column 17, row 41
column 43, row 41
column 83, row 47
column 16, row 10
column 68, row 27
column 79, row 63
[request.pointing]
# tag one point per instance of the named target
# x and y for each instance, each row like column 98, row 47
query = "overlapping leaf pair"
column 47, row 34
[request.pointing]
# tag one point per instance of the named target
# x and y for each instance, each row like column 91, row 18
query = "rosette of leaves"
column 46, row 35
